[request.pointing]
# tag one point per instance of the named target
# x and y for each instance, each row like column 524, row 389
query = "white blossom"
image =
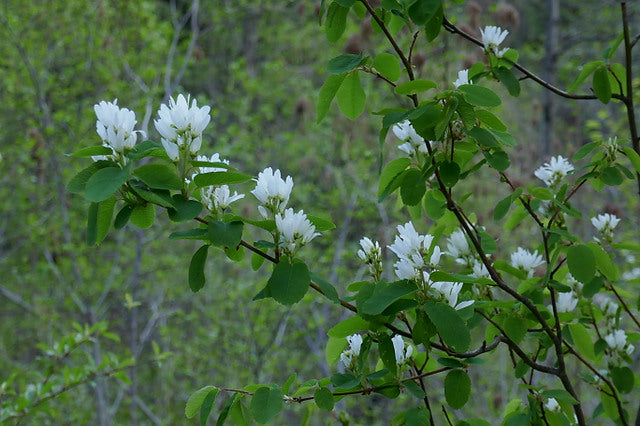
column 526, row 261
column 633, row 274
column 463, row 78
column 215, row 158
column 492, row 36
column 272, row 191
column 479, row 270
column 566, row 302
column 451, row 291
column 402, row 353
column 219, row 197
column 351, row 353
column 295, row 230
column 552, row 405
column 371, row 254
column 181, row 125
column 458, row 247
column 616, row 340
column 115, row 127
column 554, row 171
column 410, row 247
column 413, row 141
column 605, row 224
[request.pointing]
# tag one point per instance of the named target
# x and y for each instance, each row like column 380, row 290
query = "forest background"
column 260, row 65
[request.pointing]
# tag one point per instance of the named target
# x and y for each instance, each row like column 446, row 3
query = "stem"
column 628, row 101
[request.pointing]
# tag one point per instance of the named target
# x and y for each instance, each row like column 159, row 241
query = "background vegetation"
column 259, row 64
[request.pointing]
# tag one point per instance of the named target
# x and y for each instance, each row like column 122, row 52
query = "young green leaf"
column 351, row 96
column 390, row 177
column 388, row 66
column 327, row 93
column 457, row 388
column 266, row 403
column 196, row 268
column 220, row 178
column 336, row 22
column 289, row 281
column 509, row 80
column 197, row 398
column 582, row 262
column 450, row 325
column 92, row 150
column 104, row 182
column 387, row 354
column 414, row 86
column 344, row 63
column 223, row 234
column 479, row 95
column 323, row 398
column 412, row 187
column 585, row 72
column 104, row 216
column 183, row 209
column 601, row 84
column 159, row 176
column 449, row 173
column 143, row 216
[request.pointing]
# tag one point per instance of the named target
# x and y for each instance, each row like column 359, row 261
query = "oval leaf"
column 479, row 96
column 343, row 63
column 289, row 282
column 602, row 85
column 196, row 268
column 388, row 66
column 582, row 263
column 196, row 399
column 414, row 86
column 323, row 398
column 158, row 176
column 450, row 325
column 103, row 183
column 457, row 387
column 351, row 96
column 266, row 403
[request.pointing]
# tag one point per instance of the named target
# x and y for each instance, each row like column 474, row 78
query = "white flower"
column 463, row 78
column 410, row 247
column 272, row 191
column 181, row 126
column 222, row 197
column 450, row 291
column 632, row 274
column 526, row 261
column 435, row 257
column 295, row 230
column 616, row 340
column 371, row 254
column 115, row 128
column 349, row 355
column 402, row 353
column 492, row 37
column 552, row 405
column 458, row 247
column 413, row 141
column 566, row 302
column 605, row 223
column 554, row 171
column 479, row 270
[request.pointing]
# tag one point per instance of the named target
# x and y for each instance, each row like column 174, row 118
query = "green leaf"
column 344, row 381
column 509, row 80
column 632, row 156
column 388, row 66
column 412, row 187
column 161, row 197
column 384, row 295
column 289, row 281
column 416, row 416
column 434, row 24
column 560, row 395
column 582, row 262
column 159, row 176
column 414, row 389
column 389, row 178
column 593, row 287
column 78, row 183
column 434, row 207
column 351, row 96
column 123, row 216
column 422, row 11
column 104, row 182
column 414, row 86
column 327, row 288
column 457, row 388
column 450, row 325
column 497, row 159
column 603, row 262
column 502, row 208
column 479, row 95
column 344, row 63
column 103, row 219
column 183, row 209
column 266, row 403
column 623, row 379
column 582, row 340
column 323, row 398
column 490, row 120
column 220, row 178
column 449, row 173
column 611, row 176
column 336, row 22
column 327, row 93
column 147, row 149
column 197, row 398
column 92, row 150
column 196, row 268
column 585, row 72
column 348, row 327
column 585, row 150
column 223, row 234
column 387, row 354
column 143, row 216
column 320, row 223
column 189, row 234
column 601, row 84
column 484, row 137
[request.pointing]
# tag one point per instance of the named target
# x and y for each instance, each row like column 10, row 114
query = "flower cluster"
column 567, row 301
column 411, row 247
column 115, row 128
column 618, row 346
column 605, row 224
column 216, row 198
column 403, row 352
column 491, row 38
column 350, row 355
column 294, row 230
column 272, row 191
column 526, row 261
column 181, row 125
column 371, row 255
column 413, row 142
column 451, row 291
column 554, row 171
column 458, row 247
